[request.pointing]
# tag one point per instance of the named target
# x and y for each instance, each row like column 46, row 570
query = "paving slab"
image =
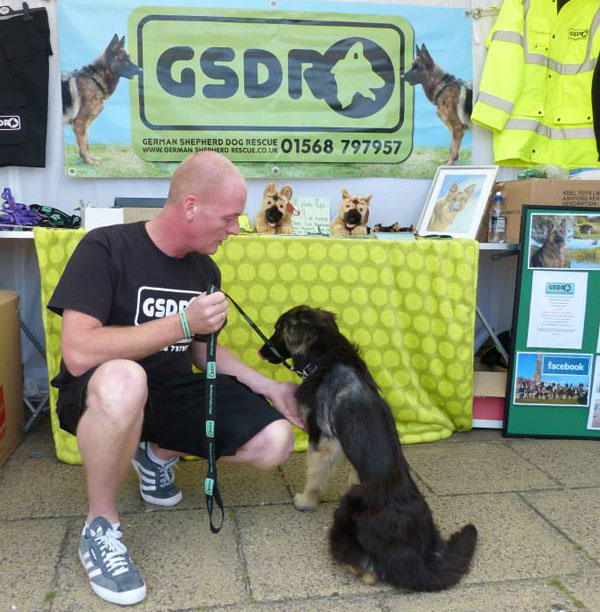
column 583, row 588
column 42, row 487
column 29, row 555
column 514, row 542
column 573, row 463
column 575, row 512
column 517, row 596
column 239, row 485
column 287, row 556
column 312, row 604
column 38, row 441
column 475, row 467
column 184, row 565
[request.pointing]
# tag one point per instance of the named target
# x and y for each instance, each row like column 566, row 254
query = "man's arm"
column 86, row 343
column 282, row 394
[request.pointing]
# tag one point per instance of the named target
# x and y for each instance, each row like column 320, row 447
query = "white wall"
column 393, row 199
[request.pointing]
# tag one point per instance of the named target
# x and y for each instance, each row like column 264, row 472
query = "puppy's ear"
column 122, row 41
column 114, row 41
column 345, row 194
column 368, row 199
column 470, row 189
column 453, row 188
column 286, row 192
column 270, row 189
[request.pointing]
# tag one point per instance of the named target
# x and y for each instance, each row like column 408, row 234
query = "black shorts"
column 175, row 413
column 24, row 50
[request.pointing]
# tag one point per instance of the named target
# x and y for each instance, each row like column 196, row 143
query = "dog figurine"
column 275, row 214
column 448, row 207
column 552, row 253
column 383, row 528
column 452, row 97
column 84, row 91
column 352, row 216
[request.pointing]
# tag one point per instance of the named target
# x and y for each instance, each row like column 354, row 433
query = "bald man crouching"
column 126, row 369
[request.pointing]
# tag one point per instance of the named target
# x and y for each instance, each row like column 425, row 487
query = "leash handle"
column 211, row 488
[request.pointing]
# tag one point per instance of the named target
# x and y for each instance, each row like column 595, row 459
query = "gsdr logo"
column 311, row 84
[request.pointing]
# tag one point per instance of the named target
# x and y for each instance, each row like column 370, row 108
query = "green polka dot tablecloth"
column 409, row 306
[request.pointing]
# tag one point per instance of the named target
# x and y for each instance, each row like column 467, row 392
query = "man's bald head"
column 202, row 174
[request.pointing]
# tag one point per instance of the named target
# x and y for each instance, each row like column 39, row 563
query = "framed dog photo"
column 456, row 201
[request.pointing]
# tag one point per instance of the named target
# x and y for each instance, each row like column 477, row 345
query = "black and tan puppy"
column 452, row 97
column 84, row 90
column 383, row 528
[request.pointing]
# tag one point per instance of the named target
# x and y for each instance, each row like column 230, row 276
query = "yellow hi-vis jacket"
column 535, row 90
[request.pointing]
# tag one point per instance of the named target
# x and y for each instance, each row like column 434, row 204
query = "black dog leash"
column 308, row 369
column 211, row 488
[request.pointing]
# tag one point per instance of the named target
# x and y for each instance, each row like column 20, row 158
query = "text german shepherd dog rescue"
column 452, row 97
column 84, row 90
column 383, row 528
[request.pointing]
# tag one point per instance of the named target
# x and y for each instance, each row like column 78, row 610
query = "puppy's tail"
column 455, row 563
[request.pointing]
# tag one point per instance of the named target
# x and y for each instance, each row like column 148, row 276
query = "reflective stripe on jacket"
column 535, row 90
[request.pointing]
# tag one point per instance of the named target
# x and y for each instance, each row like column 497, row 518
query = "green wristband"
column 185, row 325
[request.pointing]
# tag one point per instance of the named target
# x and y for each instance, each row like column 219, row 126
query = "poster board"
column 553, row 377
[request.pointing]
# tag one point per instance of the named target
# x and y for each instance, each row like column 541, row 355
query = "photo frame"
column 457, row 201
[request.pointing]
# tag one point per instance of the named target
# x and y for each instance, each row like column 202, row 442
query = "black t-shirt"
column 119, row 276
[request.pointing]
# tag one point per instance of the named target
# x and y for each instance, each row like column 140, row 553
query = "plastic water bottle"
column 497, row 225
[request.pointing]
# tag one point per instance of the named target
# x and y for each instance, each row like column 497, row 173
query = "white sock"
column 153, row 457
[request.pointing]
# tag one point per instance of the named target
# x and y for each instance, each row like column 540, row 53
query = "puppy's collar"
column 308, row 370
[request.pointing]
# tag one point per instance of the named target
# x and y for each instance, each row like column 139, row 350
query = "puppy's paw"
column 285, row 229
column 369, row 578
column 359, row 230
column 304, row 502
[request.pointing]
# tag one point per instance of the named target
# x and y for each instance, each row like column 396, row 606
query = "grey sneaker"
column 157, row 482
column 112, row 574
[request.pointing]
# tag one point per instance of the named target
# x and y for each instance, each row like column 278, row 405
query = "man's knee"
column 277, row 442
column 119, row 388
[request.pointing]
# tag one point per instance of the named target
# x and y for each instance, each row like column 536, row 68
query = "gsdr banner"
column 310, row 93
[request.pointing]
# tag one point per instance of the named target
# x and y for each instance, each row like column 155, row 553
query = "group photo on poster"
column 552, row 379
column 348, row 92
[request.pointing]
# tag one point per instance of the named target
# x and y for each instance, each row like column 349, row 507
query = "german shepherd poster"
column 84, row 91
column 452, row 97
column 383, row 529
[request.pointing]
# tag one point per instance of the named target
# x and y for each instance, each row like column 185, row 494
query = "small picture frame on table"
column 457, row 201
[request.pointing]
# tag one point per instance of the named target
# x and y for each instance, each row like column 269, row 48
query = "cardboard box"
column 553, row 192
column 11, row 376
column 489, row 389
column 92, row 217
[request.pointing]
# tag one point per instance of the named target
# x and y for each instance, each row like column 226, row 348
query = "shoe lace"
column 166, row 474
column 113, row 551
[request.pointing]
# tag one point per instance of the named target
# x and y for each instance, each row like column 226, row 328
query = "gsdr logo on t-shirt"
column 157, row 302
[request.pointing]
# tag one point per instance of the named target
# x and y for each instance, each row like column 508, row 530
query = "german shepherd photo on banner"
column 452, row 97
column 84, row 91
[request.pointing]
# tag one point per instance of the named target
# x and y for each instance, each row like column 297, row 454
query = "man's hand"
column 207, row 313
column 283, row 396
